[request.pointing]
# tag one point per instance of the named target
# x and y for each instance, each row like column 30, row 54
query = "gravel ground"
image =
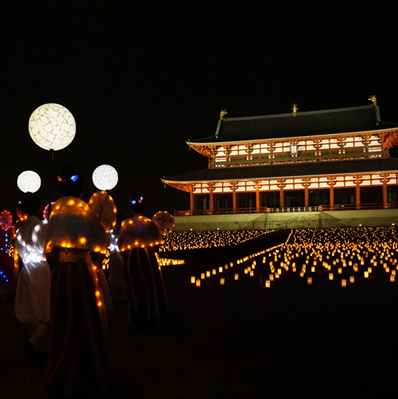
column 239, row 340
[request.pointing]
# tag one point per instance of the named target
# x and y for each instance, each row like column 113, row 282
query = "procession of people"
column 61, row 289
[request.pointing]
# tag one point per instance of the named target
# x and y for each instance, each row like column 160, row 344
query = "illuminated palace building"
column 328, row 160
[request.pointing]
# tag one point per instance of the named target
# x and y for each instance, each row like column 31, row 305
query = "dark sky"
column 142, row 78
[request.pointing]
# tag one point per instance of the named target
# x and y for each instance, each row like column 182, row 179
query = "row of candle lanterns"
column 170, row 262
column 349, row 242
column 213, row 272
column 221, row 269
column 208, row 239
column 348, row 252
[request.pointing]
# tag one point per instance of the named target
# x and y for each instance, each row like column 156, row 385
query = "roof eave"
column 355, row 133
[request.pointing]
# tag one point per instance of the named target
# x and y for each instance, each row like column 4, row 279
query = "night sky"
column 143, row 78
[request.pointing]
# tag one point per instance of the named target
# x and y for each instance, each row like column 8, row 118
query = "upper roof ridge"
column 362, row 118
column 289, row 114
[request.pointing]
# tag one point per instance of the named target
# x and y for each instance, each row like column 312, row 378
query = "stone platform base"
column 288, row 220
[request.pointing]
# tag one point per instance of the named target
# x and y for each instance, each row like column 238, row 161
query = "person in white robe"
column 32, row 299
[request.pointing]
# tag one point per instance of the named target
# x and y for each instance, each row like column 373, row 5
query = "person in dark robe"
column 138, row 238
column 76, row 242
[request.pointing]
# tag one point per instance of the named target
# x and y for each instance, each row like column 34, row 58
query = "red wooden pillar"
column 358, row 194
column 385, row 200
column 191, row 200
column 306, row 195
column 234, row 197
column 281, row 195
column 211, row 199
column 331, row 195
column 257, row 198
column 331, row 183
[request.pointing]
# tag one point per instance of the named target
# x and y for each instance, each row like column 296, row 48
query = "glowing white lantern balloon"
column 105, row 177
column 29, row 181
column 52, row 127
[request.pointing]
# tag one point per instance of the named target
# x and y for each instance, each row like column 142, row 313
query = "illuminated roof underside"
column 280, row 171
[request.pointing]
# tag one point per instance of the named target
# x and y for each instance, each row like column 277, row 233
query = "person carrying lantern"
column 32, row 298
column 138, row 236
column 77, row 240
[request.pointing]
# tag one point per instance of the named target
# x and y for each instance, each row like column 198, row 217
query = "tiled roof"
column 342, row 120
column 291, row 170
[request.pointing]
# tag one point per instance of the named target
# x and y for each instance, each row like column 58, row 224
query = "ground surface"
column 239, row 340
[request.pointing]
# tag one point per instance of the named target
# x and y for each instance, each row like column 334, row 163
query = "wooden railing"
column 284, row 158
column 319, row 208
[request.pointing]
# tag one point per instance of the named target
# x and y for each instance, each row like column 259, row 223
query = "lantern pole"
column 49, row 182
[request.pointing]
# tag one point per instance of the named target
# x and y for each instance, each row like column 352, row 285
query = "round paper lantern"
column 105, row 177
column 5, row 220
column 104, row 208
column 29, row 181
column 52, row 127
column 164, row 221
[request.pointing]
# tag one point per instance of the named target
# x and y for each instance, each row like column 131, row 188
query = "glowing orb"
column 29, row 181
column 52, row 127
column 105, row 177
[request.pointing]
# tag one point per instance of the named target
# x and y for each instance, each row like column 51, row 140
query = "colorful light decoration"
column 29, row 181
column 52, row 127
column 105, row 177
column 5, row 220
column 45, row 211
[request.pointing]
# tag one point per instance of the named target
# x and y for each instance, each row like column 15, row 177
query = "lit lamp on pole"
column 105, row 177
column 29, row 181
column 52, row 127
